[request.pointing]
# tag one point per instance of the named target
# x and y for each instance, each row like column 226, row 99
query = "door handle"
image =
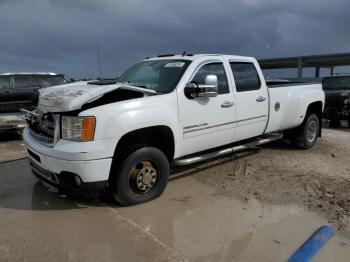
column 227, row 104
column 260, row 99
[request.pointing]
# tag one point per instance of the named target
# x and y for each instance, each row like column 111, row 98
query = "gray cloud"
column 61, row 36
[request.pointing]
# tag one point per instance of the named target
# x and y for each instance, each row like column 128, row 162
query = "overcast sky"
column 61, row 35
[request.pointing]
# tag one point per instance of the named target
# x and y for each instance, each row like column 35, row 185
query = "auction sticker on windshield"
column 175, row 64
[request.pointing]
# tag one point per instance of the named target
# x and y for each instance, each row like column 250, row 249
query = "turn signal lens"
column 88, row 129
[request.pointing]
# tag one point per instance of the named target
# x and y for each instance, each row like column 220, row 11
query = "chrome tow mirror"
column 209, row 89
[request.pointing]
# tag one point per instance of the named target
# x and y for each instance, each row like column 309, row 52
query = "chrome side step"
column 259, row 141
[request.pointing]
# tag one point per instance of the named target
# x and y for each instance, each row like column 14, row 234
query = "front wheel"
column 308, row 132
column 142, row 176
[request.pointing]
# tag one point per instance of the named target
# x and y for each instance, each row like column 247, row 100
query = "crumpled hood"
column 69, row 97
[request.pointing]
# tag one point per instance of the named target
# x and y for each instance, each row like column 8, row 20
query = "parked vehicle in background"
column 337, row 91
column 21, row 91
column 122, row 135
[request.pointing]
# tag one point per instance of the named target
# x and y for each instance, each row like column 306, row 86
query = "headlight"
column 78, row 128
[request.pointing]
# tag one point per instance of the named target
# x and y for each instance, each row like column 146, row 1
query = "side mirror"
column 209, row 89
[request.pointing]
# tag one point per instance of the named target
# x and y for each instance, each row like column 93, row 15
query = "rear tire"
column 142, row 176
column 307, row 133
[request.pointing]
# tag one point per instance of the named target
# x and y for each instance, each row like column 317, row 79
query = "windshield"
column 336, row 83
column 161, row 76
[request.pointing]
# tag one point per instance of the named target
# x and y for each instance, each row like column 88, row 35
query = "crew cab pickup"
column 169, row 110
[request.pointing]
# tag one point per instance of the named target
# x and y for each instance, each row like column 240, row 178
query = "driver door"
column 207, row 122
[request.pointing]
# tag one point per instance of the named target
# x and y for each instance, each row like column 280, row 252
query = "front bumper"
column 66, row 181
column 63, row 173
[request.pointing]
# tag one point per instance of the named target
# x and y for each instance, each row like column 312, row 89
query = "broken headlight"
column 78, row 128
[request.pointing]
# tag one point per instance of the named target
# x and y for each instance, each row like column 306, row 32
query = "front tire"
column 308, row 132
column 142, row 176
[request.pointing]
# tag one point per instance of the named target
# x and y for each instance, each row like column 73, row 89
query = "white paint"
column 196, row 124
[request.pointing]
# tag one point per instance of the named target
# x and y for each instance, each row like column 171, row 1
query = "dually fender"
column 308, row 97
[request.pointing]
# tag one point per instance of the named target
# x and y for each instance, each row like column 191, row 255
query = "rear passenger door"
column 5, row 95
column 24, row 91
column 251, row 100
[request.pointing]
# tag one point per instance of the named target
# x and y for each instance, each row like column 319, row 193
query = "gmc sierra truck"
column 122, row 136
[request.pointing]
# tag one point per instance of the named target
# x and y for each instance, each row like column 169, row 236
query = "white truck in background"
column 172, row 109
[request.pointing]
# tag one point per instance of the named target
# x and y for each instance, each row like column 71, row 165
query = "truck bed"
column 278, row 83
column 287, row 102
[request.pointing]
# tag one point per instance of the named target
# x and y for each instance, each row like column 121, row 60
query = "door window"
column 4, row 83
column 47, row 81
column 213, row 69
column 22, row 82
column 246, row 77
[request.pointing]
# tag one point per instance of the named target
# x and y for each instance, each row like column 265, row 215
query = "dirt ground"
column 11, row 146
column 258, row 205
column 280, row 174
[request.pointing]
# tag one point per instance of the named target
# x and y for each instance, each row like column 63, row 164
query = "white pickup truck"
column 172, row 109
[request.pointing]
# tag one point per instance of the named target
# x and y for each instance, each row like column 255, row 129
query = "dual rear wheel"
column 306, row 134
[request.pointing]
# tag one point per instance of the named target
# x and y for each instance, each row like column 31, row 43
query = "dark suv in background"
column 20, row 90
column 337, row 106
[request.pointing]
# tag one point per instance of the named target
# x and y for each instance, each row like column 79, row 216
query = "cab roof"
column 193, row 57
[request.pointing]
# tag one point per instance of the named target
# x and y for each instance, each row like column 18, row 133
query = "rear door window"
column 246, row 77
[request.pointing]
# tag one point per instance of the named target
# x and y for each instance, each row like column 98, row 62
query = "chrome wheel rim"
column 311, row 131
column 143, row 177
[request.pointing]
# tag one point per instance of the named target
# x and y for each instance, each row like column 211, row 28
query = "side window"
column 46, row 81
column 4, row 83
column 246, row 77
column 22, row 82
column 213, row 69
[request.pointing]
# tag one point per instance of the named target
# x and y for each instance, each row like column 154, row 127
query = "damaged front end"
column 43, row 126
column 57, row 114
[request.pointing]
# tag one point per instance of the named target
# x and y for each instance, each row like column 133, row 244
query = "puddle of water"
column 204, row 226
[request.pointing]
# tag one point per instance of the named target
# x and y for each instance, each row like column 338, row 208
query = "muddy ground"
column 318, row 178
column 258, row 205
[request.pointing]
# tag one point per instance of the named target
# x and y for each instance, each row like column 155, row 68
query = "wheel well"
column 160, row 137
column 316, row 108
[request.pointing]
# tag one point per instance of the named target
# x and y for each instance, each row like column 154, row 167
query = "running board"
column 259, row 141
